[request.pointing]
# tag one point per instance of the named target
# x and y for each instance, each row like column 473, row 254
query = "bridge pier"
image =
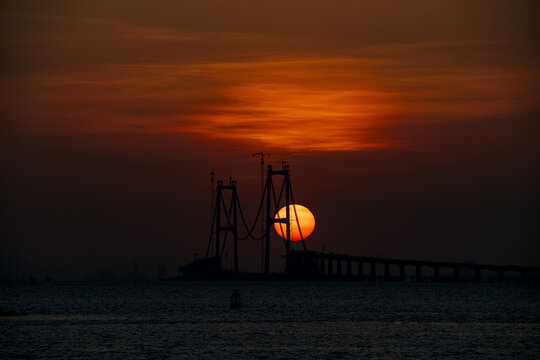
column 373, row 275
column 477, row 275
column 387, row 272
column 435, row 273
column 456, row 274
column 330, row 268
column 305, row 264
column 418, row 273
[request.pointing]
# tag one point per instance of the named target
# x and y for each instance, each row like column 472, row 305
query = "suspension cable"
column 277, row 209
column 280, row 195
column 296, row 214
column 211, row 231
column 250, row 229
column 250, row 236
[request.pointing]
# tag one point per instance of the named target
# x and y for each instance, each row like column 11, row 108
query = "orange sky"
column 399, row 118
column 90, row 69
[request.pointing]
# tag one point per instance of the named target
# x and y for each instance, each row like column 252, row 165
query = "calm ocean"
column 286, row 320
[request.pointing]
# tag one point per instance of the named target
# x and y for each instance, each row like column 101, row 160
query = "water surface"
column 279, row 320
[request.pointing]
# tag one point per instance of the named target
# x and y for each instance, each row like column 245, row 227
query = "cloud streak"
column 296, row 104
column 259, row 90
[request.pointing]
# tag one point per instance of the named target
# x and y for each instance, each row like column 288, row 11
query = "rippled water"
column 278, row 320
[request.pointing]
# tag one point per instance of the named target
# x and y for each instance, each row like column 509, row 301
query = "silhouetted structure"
column 135, row 275
column 320, row 266
column 105, row 275
column 161, row 272
column 225, row 221
column 231, row 225
column 202, row 269
column 305, row 264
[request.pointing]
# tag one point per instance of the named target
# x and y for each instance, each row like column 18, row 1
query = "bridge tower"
column 231, row 225
column 270, row 215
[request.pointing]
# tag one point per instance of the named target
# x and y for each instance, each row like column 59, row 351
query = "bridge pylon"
column 270, row 215
column 231, row 218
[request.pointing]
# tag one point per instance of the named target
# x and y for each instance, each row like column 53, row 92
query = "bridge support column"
column 338, row 268
column 386, row 272
column 323, row 270
column 477, row 275
column 418, row 273
column 401, row 272
column 373, row 275
column 456, row 274
column 349, row 269
column 500, row 276
column 435, row 273
column 361, row 271
column 330, row 268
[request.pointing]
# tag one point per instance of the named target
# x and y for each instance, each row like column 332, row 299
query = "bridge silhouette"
column 305, row 264
column 321, row 266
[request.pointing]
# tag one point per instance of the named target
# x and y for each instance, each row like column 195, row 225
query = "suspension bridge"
column 228, row 216
column 302, row 264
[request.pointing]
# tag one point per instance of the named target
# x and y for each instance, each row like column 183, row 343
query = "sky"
column 411, row 128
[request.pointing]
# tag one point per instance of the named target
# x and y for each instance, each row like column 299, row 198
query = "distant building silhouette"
column 135, row 275
column 161, row 272
column 105, row 275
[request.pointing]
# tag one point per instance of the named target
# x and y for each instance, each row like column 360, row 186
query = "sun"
column 301, row 228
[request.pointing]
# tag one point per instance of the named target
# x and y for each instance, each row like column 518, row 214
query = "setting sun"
column 302, row 222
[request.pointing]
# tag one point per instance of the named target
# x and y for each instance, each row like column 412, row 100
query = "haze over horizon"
column 411, row 129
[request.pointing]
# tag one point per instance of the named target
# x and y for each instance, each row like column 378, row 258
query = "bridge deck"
column 320, row 265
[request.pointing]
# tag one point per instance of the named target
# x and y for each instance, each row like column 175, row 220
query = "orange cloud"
column 343, row 103
column 337, row 103
column 294, row 117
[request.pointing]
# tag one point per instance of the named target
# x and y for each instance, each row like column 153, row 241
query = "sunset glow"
column 302, row 222
column 410, row 128
column 291, row 103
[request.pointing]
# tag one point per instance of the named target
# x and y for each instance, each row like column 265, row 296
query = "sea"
column 277, row 320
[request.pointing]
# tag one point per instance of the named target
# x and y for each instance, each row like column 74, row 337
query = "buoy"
column 236, row 301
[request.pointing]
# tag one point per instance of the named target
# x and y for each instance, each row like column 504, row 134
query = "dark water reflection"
column 278, row 320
